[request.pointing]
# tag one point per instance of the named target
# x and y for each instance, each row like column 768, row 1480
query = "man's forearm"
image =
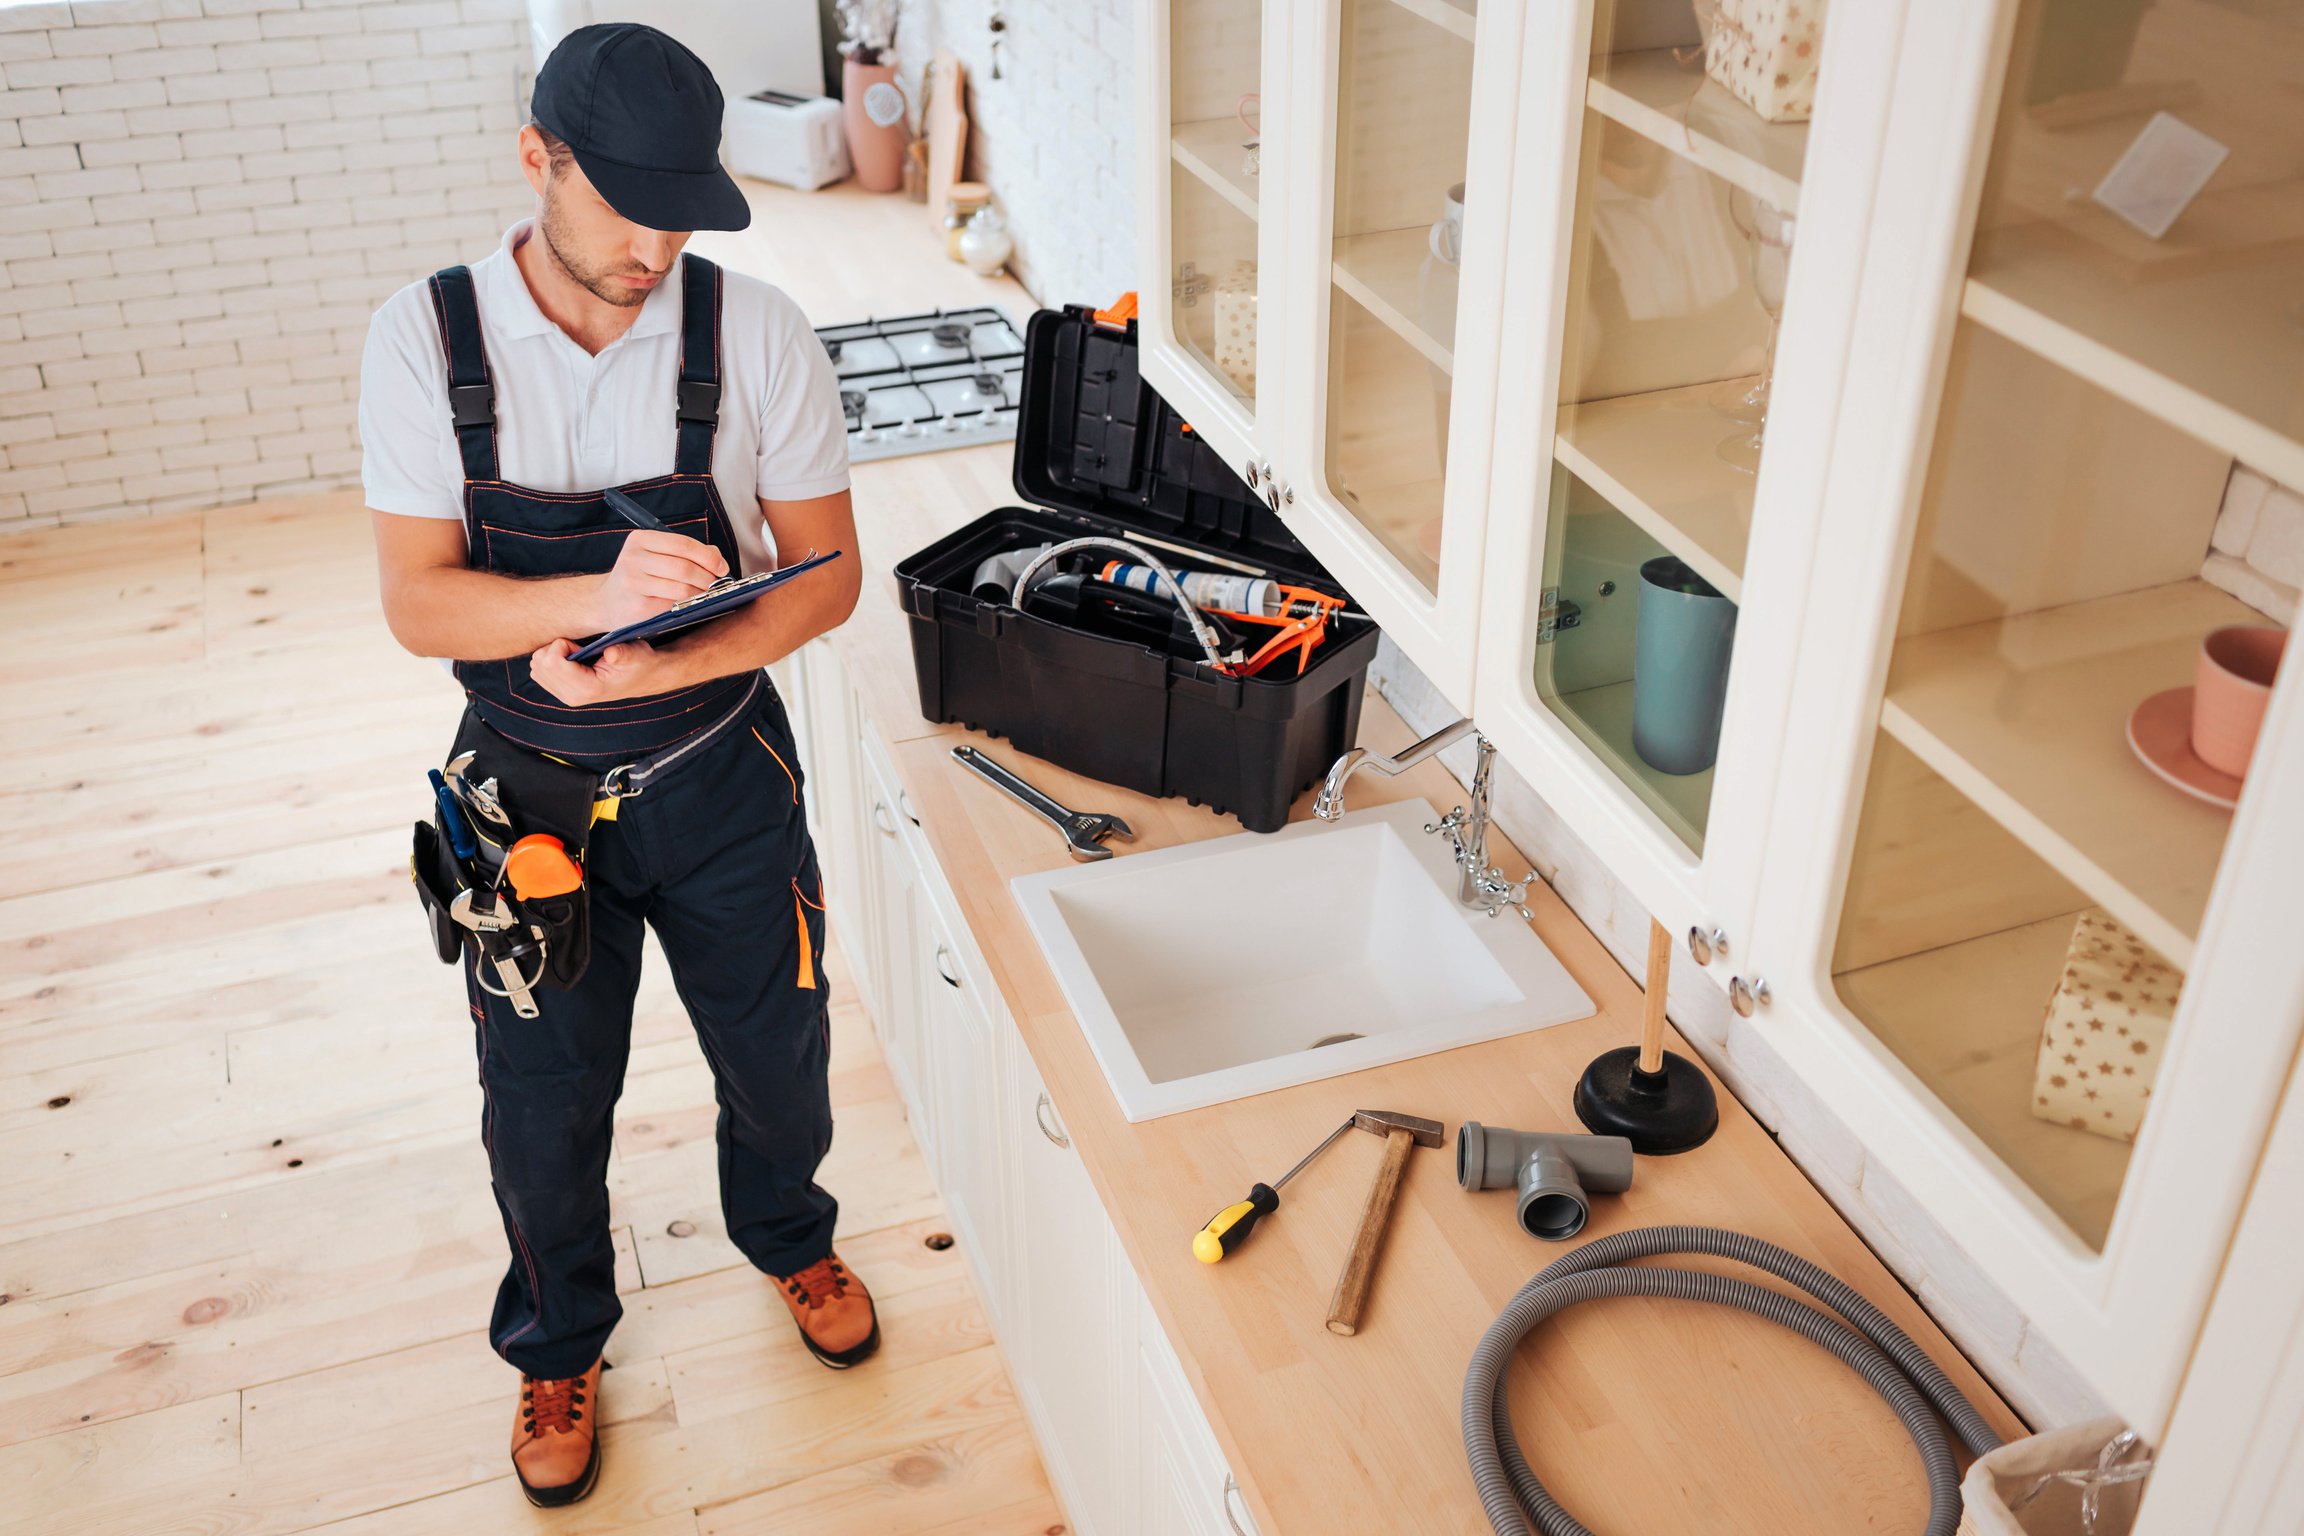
column 769, row 630
column 468, row 615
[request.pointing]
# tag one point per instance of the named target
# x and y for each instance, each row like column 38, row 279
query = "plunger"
column 1658, row 1099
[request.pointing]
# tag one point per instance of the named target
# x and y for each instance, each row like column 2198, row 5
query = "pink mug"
column 2229, row 691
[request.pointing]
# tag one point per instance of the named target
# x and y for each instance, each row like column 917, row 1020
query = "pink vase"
column 876, row 148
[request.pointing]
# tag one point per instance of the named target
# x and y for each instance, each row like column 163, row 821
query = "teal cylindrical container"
column 1685, row 631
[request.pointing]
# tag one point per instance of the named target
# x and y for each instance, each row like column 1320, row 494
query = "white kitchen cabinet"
column 959, row 1031
column 2041, row 414
column 1332, row 228
column 1074, row 1349
column 1183, row 1486
column 893, row 875
column 1982, row 517
column 1123, row 1440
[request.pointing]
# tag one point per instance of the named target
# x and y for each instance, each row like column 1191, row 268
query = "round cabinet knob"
column 1747, row 995
column 1253, row 474
column 1272, row 494
column 1705, row 942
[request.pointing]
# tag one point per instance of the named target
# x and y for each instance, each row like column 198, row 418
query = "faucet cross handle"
column 1505, row 895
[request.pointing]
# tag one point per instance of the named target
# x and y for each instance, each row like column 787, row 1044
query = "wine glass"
column 1768, row 232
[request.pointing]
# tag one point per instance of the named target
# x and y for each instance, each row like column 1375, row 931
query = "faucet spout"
column 1480, row 884
column 1330, row 803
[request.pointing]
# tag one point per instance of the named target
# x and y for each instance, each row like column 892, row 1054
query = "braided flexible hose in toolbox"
column 1879, row 1351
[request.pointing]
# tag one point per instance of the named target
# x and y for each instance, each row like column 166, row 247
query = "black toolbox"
column 1099, row 452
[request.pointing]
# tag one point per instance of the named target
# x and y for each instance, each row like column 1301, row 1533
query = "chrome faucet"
column 1479, row 883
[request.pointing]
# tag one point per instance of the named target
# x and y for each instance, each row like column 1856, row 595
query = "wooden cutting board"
column 946, row 85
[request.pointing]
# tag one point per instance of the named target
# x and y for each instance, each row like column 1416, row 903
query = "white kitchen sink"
column 1248, row 963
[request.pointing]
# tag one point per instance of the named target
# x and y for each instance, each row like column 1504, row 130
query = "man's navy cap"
column 642, row 115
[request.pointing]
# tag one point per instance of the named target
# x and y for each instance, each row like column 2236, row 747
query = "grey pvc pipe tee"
column 1554, row 1171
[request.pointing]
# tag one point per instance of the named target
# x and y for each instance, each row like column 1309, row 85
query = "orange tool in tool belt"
column 538, row 866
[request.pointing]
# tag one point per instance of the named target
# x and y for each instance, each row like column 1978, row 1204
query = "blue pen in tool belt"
column 452, row 818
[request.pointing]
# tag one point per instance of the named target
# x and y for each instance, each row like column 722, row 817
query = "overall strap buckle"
column 472, row 405
column 700, row 401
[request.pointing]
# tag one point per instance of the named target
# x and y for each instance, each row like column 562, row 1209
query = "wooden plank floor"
column 247, row 1247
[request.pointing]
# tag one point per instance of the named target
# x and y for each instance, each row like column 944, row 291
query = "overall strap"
column 699, row 390
column 471, row 394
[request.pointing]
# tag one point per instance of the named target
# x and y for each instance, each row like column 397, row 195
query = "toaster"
column 794, row 140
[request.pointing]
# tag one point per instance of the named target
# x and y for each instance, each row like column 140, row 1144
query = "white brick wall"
column 201, row 202
column 1054, row 137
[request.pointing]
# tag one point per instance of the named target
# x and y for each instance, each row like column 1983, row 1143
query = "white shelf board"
column 1455, row 15
column 1383, row 274
column 2215, row 351
column 1656, row 458
column 1212, row 151
column 1602, row 719
column 2028, row 718
column 1965, row 1019
column 1681, row 108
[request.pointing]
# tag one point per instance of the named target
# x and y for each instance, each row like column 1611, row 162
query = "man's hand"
column 653, row 571
column 633, row 670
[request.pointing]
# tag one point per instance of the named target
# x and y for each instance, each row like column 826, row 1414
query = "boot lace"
column 551, row 1405
column 820, row 1282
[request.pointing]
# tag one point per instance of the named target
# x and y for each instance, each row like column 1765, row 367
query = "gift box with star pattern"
column 2107, row 1024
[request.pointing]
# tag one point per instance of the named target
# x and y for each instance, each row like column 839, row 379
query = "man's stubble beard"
column 600, row 284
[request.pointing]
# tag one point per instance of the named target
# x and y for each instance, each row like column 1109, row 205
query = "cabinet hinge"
column 1555, row 613
column 1189, row 285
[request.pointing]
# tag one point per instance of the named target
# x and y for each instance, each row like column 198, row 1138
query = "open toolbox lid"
column 1092, row 437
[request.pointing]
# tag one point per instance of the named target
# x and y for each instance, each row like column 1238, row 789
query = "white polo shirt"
column 569, row 421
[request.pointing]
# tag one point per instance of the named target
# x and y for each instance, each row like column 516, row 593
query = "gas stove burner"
column 914, row 383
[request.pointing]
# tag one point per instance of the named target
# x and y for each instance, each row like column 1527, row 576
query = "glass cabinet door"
column 2099, row 581
column 1686, row 193
column 1217, row 185
column 1403, row 94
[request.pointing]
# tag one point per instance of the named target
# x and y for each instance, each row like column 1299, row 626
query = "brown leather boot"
column 556, row 1439
column 833, row 1310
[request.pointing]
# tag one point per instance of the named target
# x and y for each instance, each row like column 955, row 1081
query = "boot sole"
column 566, row 1493
column 841, row 1360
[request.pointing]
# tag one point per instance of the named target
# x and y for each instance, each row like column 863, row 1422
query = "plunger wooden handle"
column 1360, row 1268
column 1652, row 1014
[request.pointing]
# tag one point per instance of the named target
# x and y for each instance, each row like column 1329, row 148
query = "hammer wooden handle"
column 1360, row 1269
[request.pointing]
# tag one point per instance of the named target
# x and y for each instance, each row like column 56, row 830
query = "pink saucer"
column 2160, row 734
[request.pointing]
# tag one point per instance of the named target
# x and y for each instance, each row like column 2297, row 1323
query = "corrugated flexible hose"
column 1879, row 1351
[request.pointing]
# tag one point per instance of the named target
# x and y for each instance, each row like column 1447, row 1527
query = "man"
column 495, row 403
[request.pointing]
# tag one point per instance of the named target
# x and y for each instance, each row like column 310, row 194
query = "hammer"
column 1400, row 1132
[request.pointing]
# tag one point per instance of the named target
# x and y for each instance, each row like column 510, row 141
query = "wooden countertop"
column 1640, row 1415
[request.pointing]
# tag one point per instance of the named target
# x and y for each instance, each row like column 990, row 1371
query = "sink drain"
column 1349, row 1034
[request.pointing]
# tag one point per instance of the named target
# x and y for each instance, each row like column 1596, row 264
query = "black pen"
column 631, row 511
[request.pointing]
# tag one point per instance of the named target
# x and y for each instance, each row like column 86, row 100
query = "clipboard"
column 723, row 597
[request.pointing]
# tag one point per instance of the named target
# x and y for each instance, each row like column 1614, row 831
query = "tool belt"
column 501, row 801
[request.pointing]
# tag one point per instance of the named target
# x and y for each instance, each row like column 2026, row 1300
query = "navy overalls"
column 713, row 853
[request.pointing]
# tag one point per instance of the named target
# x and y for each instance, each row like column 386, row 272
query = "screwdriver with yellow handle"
column 1229, row 1227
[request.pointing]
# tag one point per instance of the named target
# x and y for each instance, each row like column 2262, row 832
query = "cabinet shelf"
column 2216, row 350
column 1602, row 720
column 1656, row 458
column 1965, row 1019
column 1455, row 15
column 2027, row 717
column 1382, row 272
column 1684, row 110
column 1211, row 151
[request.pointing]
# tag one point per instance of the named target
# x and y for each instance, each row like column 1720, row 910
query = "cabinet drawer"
column 1186, row 1484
